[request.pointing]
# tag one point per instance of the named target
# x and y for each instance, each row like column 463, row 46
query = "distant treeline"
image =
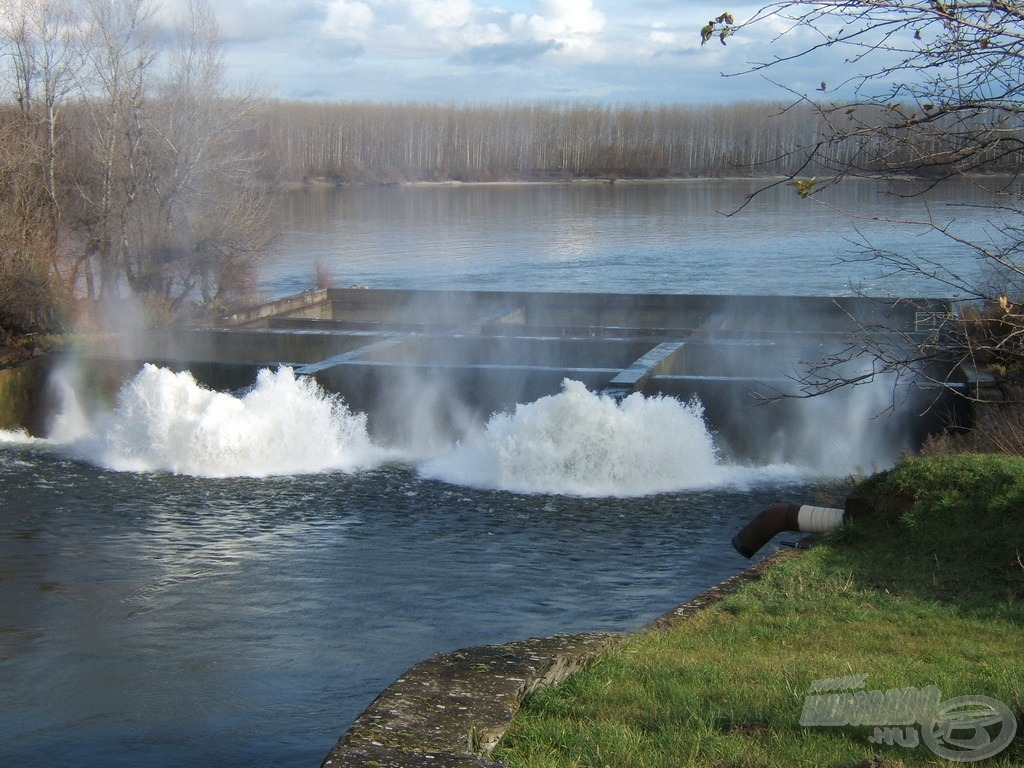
column 384, row 142
column 128, row 164
column 388, row 142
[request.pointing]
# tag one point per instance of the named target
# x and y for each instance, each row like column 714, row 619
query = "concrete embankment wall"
column 452, row 710
column 23, row 395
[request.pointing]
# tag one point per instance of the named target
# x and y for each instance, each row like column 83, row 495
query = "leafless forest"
column 127, row 163
column 387, row 143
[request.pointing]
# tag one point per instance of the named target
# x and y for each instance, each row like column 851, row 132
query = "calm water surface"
column 670, row 237
column 164, row 620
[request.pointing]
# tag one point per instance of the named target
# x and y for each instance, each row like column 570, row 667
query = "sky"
column 471, row 51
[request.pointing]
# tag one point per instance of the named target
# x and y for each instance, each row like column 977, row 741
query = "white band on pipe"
column 815, row 519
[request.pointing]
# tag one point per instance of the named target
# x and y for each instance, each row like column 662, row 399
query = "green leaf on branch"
column 803, row 186
column 722, row 24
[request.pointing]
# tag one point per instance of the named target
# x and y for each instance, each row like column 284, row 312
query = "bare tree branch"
column 939, row 95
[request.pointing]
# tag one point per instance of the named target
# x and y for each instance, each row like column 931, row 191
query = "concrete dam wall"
column 448, row 357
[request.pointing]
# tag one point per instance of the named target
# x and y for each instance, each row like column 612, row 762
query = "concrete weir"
column 395, row 354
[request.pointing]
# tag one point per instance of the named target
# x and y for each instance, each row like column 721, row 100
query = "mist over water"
column 204, row 579
column 848, row 432
column 574, row 442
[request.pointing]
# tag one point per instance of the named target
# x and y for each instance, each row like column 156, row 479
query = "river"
column 645, row 237
column 199, row 602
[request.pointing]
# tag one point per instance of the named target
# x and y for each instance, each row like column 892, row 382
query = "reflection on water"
column 672, row 237
column 172, row 620
column 175, row 620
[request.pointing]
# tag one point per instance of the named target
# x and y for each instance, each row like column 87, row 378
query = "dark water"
column 161, row 620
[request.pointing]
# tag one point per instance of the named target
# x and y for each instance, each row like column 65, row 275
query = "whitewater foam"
column 575, row 442
column 17, row 437
column 166, row 421
column 580, row 443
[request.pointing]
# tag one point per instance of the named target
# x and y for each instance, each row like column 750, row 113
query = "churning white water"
column 574, row 442
column 17, row 437
column 580, row 443
column 166, row 421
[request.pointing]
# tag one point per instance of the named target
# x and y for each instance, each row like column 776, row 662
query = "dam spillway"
column 226, row 607
column 406, row 357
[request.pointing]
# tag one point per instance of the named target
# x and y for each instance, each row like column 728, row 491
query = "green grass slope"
column 926, row 590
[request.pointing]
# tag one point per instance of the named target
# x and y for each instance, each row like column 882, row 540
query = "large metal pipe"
column 784, row 517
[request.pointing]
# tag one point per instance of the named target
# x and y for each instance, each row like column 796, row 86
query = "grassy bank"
column 928, row 591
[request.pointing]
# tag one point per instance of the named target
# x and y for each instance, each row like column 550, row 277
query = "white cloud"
column 348, row 20
column 567, row 17
column 485, row 34
column 422, row 28
column 452, row 25
column 248, row 21
column 661, row 37
column 442, row 14
column 493, row 49
column 574, row 25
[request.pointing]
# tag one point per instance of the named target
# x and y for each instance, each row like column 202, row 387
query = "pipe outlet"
column 784, row 517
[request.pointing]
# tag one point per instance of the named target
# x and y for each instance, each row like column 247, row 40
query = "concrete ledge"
column 383, row 757
column 451, row 710
column 454, row 707
column 309, row 304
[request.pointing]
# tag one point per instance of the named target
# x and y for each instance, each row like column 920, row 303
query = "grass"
column 927, row 591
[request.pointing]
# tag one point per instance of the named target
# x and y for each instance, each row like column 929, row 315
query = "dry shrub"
column 323, row 277
column 995, row 335
column 997, row 428
column 29, row 296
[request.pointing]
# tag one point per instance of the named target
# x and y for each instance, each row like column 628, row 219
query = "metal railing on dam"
column 467, row 354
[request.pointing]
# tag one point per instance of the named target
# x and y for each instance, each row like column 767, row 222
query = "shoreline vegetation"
column 185, row 229
column 367, row 142
column 926, row 591
column 388, row 143
column 624, row 180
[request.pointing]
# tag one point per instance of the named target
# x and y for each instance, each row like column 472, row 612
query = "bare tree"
column 39, row 45
column 108, row 170
column 126, row 163
column 938, row 95
column 392, row 142
column 165, row 193
column 45, row 51
column 29, row 297
column 205, row 216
